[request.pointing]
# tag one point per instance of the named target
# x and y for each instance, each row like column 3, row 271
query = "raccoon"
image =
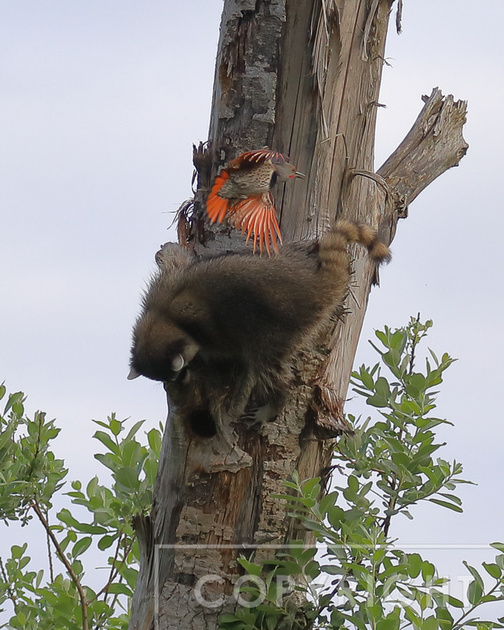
column 220, row 332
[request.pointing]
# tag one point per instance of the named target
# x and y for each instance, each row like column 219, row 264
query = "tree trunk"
column 302, row 78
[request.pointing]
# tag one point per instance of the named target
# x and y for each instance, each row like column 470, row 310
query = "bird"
column 241, row 193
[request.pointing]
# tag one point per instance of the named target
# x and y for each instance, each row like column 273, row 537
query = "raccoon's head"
column 161, row 351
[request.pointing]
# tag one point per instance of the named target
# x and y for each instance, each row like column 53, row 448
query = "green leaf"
column 230, row 622
column 106, row 460
column 414, row 564
column 14, row 400
column 18, row 551
column 493, row 570
column 402, row 460
column 332, row 569
column 445, row 619
column 456, row 603
column 92, row 487
column 477, row 577
column 89, row 528
column 39, row 578
column 65, row 516
column 127, row 477
column 290, row 568
column 118, row 588
column 366, row 378
column 357, row 621
column 451, row 497
column 134, row 430
column 115, row 426
column 24, row 561
column 154, row 439
column 250, row 567
column 474, row 592
column 21, row 618
column 311, row 487
column 398, row 340
column 428, row 571
column 132, row 454
column 377, row 401
column 107, row 441
column 412, row 616
column 446, row 504
column 390, row 622
column 416, row 384
column 392, row 358
column 106, row 542
column 328, row 501
column 382, row 387
column 81, row 546
column 431, row 623
column 150, row 467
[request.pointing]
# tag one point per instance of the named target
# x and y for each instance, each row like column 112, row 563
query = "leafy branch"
column 357, row 577
column 75, row 579
column 30, row 477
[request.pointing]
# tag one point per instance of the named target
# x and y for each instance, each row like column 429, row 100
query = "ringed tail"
column 333, row 244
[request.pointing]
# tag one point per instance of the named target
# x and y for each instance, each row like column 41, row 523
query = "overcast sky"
column 101, row 101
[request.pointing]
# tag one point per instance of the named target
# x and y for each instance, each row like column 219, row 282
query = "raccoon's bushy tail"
column 335, row 261
column 333, row 253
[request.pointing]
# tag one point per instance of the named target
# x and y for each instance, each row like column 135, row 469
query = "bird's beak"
column 300, row 175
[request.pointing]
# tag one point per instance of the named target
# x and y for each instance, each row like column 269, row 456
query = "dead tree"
column 302, row 78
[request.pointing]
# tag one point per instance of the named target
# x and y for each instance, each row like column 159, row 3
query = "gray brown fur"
column 221, row 328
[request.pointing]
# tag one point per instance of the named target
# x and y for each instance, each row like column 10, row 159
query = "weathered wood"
column 303, row 78
column 433, row 145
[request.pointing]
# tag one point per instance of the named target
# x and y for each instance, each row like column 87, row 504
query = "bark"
column 302, row 78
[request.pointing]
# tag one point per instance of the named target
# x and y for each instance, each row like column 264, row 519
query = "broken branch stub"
column 433, row 145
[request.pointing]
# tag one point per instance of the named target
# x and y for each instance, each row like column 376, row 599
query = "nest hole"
column 202, row 423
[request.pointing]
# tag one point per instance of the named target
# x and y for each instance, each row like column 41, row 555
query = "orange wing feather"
column 256, row 216
column 260, row 155
column 217, row 206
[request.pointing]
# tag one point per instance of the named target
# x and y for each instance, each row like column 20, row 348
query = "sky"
column 100, row 103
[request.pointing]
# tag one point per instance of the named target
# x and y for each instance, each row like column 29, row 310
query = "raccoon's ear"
column 178, row 362
column 133, row 374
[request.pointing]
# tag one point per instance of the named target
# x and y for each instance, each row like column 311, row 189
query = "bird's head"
column 285, row 171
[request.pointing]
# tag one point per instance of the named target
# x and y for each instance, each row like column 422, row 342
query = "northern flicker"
column 242, row 194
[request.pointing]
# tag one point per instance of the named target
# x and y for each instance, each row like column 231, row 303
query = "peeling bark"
column 302, row 78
